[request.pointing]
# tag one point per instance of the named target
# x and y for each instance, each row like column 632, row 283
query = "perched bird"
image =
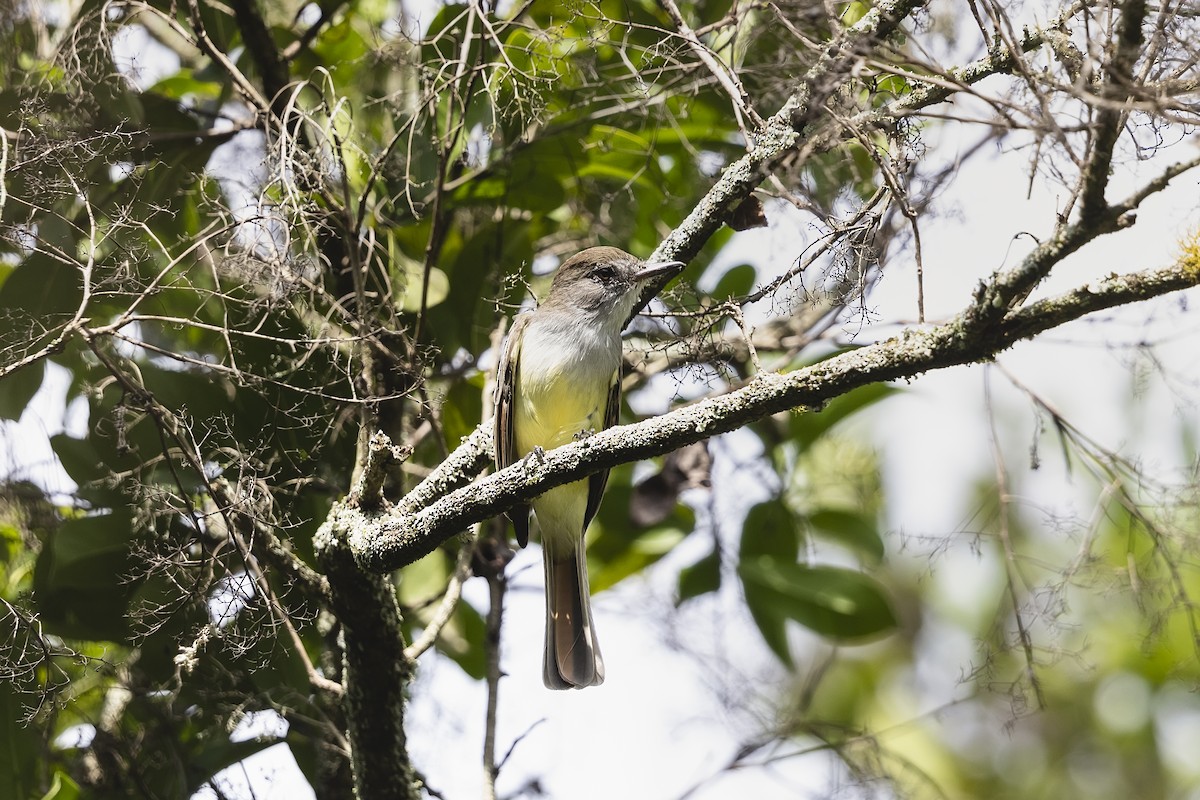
column 559, row 378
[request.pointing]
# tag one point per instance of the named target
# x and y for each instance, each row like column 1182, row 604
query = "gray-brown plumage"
column 559, row 378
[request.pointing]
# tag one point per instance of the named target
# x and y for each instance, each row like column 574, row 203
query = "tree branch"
column 385, row 541
column 1118, row 85
column 377, row 674
column 780, row 136
column 1009, row 289
column 742, row 106
column 439, row 506
column 785, row 132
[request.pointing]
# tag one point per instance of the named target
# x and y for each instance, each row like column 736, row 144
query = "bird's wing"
column 504, row 443
column 596, row 482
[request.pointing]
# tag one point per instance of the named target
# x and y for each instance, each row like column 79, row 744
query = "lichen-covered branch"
column 1118, row 83
column 780, row 136
column 376, row 673
column 387, row 540
column 427, row 515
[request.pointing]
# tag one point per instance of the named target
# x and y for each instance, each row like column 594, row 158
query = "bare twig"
column 725, row 76
column 449, row 602
column 1011, row 567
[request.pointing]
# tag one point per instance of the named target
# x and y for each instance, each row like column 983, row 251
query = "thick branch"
column 1113, row 291
column 263, row 52
column 1117, row 88
column 389, row 540
column 376, row 674
column 457, row 469
column 782, row 135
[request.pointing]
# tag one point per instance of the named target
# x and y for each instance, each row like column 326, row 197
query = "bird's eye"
column 605, row 273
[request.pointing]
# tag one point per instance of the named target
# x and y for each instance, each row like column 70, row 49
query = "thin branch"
column 206, row 45
column 1011, row 567
column 934, row 89
column 725, row 76
column 780, row 135
column 449, row 602
column 310, row 582
column 497, row 587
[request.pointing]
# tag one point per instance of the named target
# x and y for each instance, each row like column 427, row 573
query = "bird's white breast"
column 563, row 382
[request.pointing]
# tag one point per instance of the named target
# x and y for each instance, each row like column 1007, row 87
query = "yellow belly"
column 551, row 410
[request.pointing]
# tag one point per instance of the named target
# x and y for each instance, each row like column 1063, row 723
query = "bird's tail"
column 572, row 658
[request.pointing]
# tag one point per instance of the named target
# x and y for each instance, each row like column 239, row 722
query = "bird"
column 557, row 380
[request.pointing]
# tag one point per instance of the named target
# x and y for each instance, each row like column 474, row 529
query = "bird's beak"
column 649, row 271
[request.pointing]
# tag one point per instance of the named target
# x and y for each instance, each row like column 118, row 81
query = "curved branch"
column 777, row 139
column 388, row 540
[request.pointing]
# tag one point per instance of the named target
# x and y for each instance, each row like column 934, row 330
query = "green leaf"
column 524, row 185
column 19, row 389
column 42, row 288
column 21, row 746
column 467, row 315
column 78, row 457
column 772, row 624
column 736, row 282
column 854, row 12
column 712, row 10
column 414, row 285
column 835, row 602
column 770, row 531
column 893, row 85
column 185, row 83
column 82, row 580
column 808, row 426
column 850, row 528
column 86, row 551
column 647, row 547
column 700, row 578
column 341, row 46
column 62, row 788
column 462, row 639
column 617, row 548
column 462, row 409
column 621, row 156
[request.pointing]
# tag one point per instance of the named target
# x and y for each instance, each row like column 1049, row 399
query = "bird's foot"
column 538, row 454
